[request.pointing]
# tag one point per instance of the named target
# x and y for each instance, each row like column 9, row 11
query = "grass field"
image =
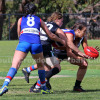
column 62, row 86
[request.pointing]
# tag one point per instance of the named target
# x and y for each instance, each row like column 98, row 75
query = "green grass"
column 62, row 87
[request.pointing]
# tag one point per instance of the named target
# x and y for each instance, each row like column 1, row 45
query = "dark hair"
column 29, row 8
column 79, row 26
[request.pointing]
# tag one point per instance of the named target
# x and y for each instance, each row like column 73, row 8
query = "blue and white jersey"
column 30, row 29
column 69, row 31
column 66, row 31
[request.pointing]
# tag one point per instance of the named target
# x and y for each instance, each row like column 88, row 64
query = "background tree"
column 2, row 11
column 70, row 9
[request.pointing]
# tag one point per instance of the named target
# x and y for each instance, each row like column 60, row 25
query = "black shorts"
column 47, row 50
column 60, row 54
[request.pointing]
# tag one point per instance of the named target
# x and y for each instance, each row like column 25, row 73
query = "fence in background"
column 93, row 25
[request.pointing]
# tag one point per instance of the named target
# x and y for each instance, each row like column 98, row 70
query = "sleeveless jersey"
column 57, row 44
column 62, row 54
column 43, row 36
column 30, row 29
column 72, row 32
column 69, row 31
column 45, row 40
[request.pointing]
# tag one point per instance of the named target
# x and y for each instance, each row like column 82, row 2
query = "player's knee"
column 84, row 65
column 58, row 66
column 59, row 69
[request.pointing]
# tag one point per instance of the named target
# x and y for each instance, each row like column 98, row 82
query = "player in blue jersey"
column 46, row 42
column 75, row 36
column 29, row 41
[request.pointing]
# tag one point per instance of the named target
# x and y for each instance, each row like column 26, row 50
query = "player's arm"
column 61, row 34
column 18, row 27
column 73, row 47
column 70, row 42
column 50, row 34
column 70, row 53
column 84, row 43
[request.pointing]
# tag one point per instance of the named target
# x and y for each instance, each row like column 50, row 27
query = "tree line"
column 85, row 8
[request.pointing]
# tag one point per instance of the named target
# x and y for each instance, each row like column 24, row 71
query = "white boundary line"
column 56, row 76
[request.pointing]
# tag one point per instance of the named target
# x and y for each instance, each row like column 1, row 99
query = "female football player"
column 29, row 40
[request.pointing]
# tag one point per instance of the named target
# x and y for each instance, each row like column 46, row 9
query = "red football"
column 92, row 52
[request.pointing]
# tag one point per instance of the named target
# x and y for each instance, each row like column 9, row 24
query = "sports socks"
column 11, row 73
column 48, row 74
column 42, row 79
column 77, row 83
column 31, row 68
column 38, row 84
column 52, row 72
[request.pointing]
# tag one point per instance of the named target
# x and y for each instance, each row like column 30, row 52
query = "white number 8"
column 30, row 21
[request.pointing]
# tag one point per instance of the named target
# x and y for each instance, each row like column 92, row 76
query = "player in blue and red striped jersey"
column 29, row 41
column 75, row 37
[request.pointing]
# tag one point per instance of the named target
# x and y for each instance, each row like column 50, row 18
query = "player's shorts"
column 26, row 47
column 51, row 61
column 60, row 54
column 47, row 50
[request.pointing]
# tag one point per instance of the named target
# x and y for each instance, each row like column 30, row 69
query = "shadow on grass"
column 71, row 91
column 96, row 90
column 25, row 84
column 55, row 92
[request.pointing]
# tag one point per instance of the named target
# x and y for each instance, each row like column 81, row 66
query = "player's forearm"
column 71, row 55
column 55, row 38
column 72, row 46
column 84, row 43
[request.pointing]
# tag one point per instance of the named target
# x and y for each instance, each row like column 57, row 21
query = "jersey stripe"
column 69, row 33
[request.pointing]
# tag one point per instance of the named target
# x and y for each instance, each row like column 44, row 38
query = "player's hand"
column 97, row 48
column 83, row 55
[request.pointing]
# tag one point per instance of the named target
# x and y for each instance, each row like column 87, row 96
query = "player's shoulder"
column 68, row 31
column 53, row 24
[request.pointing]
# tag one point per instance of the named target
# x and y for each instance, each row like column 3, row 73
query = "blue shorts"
column 26, row 47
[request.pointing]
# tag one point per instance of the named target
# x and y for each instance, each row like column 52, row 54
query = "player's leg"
column 26, row 71
column 36, row 87
column 39, row 60
column 20, row 53
column 37, row 54
column 30, row 68
column 52, row 67
column 82, row 63
column 54, row 63
column 17, row 59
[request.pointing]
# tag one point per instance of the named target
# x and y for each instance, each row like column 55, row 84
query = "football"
column 92, row 52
